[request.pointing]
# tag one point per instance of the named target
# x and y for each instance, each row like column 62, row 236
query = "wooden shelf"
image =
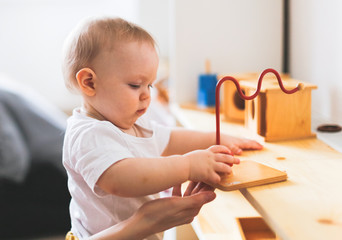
column 306, row 206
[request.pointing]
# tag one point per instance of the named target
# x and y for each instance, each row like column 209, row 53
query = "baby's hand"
column 236, row 145
column 207, row 165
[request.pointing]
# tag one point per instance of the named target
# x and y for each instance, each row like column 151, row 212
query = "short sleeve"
column 162, row 132
column 96, row 149
column 162, row 136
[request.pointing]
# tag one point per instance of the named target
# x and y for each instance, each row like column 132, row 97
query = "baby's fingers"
column 250, row 145
column 225, row 158
column 244, row 144
column 214, row 177
column 222, row 168
column 235, row 149
column 220, row 149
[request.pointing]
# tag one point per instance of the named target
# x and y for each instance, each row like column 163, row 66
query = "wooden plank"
column 249, row 174
column 255, row 228
column 307, row 205
column 214, row 222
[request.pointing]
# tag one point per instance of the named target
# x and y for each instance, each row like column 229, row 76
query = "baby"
column 116, row 159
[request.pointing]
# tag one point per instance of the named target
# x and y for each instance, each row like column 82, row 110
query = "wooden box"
column 276, row 115
column 255, row 228
column 233, row 106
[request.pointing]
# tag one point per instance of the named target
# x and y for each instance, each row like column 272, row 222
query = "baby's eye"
column 135, row 86
column 150, row 86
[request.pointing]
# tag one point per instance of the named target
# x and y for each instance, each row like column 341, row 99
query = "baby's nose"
column 145, row 95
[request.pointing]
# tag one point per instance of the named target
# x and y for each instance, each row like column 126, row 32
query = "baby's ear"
column 86, row 81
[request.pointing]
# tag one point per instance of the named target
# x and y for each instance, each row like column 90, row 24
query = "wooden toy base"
column 249, row 174
column 255, row 228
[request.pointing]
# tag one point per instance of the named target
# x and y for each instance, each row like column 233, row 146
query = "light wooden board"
column 215, row 223
column 255, row 228
column 250, row 174
column 306, row 206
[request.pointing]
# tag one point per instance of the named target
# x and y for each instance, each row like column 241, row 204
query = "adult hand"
column 165, row 213
column 161, row 214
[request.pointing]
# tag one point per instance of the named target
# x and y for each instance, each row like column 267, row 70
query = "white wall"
column 237, row 36
column 32, row 33
column 154, row 17
column 316, row 53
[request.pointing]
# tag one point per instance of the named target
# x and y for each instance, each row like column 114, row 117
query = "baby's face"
column 125, row 76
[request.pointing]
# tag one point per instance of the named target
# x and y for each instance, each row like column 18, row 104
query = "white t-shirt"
column 90, row 147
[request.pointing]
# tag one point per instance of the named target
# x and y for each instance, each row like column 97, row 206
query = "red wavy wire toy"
column 243, row 96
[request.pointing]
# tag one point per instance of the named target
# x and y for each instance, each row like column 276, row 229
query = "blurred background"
column 236, row 36
column 302, row 38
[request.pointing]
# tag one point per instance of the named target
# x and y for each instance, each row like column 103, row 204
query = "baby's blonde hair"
column 90, row 37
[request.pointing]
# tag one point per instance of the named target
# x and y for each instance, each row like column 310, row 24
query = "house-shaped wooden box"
column 276, row 115
column 233, row 106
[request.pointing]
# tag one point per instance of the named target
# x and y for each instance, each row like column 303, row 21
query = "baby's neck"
column 137, row 131
column 132, row 131
column 91, row 112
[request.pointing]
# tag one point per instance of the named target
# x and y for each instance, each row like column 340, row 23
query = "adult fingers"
column 190, row 188
column 199, row 199
column 177, row 190
column 183, row 210
column 196, row 200
column 202, row 187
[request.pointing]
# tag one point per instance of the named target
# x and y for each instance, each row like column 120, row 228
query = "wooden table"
column 307, row 206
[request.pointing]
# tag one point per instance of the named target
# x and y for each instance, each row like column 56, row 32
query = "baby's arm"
column 183, row 141
column 134, row 177
column 236, row 145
